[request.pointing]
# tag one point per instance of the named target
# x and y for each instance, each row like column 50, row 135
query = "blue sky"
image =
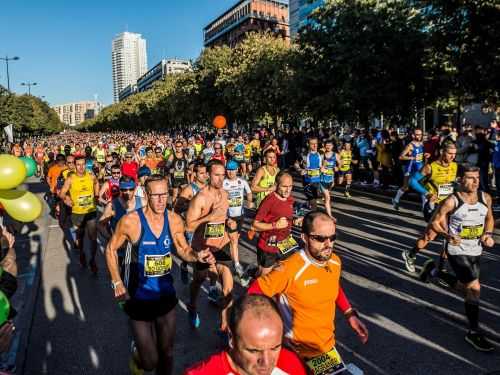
column 65, row 45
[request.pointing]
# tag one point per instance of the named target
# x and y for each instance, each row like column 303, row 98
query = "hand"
column 6, row 334
column 9, row 237
column 454, row 240
column 358, row 327
column 68, row 202
column 432, row 198
column 121, row 293
column 487, row 240
column 282, row 223
column 205, row 256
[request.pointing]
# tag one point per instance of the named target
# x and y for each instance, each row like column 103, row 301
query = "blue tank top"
column 120, row 211
column 150, row 266
column 418, row 154
column 329, row 164
column 313, row 165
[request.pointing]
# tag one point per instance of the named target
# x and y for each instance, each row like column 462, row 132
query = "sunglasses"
column 127, row 190
column 322, row 239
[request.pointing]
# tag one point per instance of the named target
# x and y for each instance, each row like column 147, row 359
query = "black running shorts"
column 466, row 267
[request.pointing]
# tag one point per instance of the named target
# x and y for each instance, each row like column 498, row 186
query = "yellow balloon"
column 21, row 205
column 12, row 171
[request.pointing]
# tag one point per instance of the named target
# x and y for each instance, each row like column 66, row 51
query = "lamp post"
column 7, row 59
column 29, row 84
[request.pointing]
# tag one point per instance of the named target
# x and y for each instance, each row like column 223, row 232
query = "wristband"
column 351, row 312
column 114, row 284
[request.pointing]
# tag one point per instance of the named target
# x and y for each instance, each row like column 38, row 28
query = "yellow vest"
column 441, row 180
column 345, row 158
column 81, row 192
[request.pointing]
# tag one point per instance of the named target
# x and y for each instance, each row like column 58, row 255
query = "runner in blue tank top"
column 331, row 161
column 310, row 168
column 413, row 155
column 145, row 283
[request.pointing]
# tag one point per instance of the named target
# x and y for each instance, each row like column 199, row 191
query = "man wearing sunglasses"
column 110, row 189
column 308, row 286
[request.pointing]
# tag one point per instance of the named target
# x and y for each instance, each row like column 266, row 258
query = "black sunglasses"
column 322, row 239
column 127, row 189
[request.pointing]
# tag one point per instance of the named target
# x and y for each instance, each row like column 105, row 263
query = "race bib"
column 445, row 189
column 85, row 200
column 328, row 172
column 419, row 158
column 313, row 172
column 214, row 230
column 157, row 265
column 179, row 174
column 287, row 245
column 471, row 232
column 238, row 157
column 327, row 364
column 236, row 202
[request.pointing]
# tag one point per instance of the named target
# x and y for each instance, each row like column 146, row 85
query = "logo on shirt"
column 148, row 242
column 310, row 282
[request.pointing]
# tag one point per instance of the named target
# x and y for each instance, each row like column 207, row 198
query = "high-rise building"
column 246, row 16
column 300, row 10
column 73, row 114
column 129, row 59
column 156, row 73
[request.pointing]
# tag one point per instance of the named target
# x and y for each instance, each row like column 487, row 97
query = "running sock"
column 472, row 312
column 399, row 194
column 347, row 187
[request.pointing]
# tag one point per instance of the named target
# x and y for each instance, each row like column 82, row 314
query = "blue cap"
column 127, row 184
column 144, row 171
column 232, row 165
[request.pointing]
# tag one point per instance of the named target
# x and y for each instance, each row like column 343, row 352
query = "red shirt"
column 130, row 169
column 270, row 210
column 218, row 364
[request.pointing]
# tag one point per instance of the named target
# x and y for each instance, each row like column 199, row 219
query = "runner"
column 237, row 188
column 255, row 344
column 83, row 190
column 263, row 182
column 206, row 218
column 111, row 188
column 465, row 219
column 413, row 154
column 146, row 284
column 345, row 168
column 178, row 165
column 274, row 221
column 331, row 162
column 440, row 176
column 308, row 287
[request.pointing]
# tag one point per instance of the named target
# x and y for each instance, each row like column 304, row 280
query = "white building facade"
column 73, row 114
column 129, row 60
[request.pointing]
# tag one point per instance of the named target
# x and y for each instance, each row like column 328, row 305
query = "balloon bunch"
column 21, row 205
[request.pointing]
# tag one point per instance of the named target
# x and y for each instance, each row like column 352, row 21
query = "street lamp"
column 29, row 84
column 7, row 59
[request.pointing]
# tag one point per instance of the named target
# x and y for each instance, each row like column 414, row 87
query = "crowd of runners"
column 148, row 199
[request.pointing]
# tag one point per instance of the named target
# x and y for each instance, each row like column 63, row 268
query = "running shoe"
column 194, row 318
column 409, row 261
column 395, row 204
column 184, row 273
column 479, row 342
column 132, row 363
column 347, row 194
column 426, row 272
column 244, row 280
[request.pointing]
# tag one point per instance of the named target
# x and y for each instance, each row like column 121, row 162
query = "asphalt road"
column 414, row 328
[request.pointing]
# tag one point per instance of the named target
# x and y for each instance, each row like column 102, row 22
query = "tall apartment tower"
column 300, row 10
column 129, row 59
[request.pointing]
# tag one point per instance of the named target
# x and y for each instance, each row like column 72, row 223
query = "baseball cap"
column 232, row 165
column 144, row 171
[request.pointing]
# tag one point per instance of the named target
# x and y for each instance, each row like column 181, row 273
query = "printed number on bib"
column 214, row 230
column 85, row 200
column 287, row 245
column 471, row 232
column 445, row 189
column 328, row 172
column 178, row 174
column 419, row 158
column 236, row 202
column 157, row 265
column 327, row 364
column 313, row 172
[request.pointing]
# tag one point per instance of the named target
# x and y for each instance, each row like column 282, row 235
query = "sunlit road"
column 414, row 328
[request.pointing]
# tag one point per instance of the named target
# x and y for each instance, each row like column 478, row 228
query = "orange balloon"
column 220, row 122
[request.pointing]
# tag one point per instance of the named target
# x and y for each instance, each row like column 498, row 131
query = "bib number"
column 327, row 364
column 214, row 230
column 328, row 172
column 287, row 245
column 85, row 201
column 445, row 189
column 419, row 158
column 178, row 174
column 157, row 265
column 313, row 172
column 471, row 232
column 236, row 202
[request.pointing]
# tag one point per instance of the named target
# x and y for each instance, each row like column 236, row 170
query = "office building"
column 158, row 72
column 73, row 114
column 247, row 16
column 300, row 10
column 129, row 59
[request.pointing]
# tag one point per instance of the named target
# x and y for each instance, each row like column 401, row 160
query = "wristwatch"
column 114, row 284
